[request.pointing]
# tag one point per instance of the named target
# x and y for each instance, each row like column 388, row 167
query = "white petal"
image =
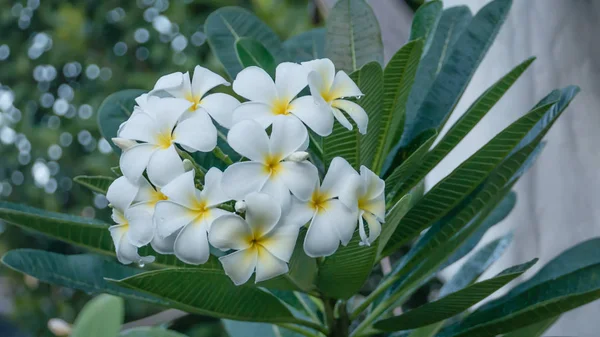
column 212, row 192
column 118, row 217
column 300, row 213
column 164, row 245
column 121, row 193
column 230, row 232
column 255, row 84
column 141, row 225
column 317, row 89
column 318, row 117
column 191, row 245
column 341, row 118
column 277, row 189
column 146, row 193
column 356, row 112
column 250, row 140
column 164, row 166
column 256, row 111
column 300, row 178
column 281, row 241
column 240, row 265
column 374, row 228
column 336, row 223
column 324, row 69
column 336, row 180
column 287, row 136
column 181, row 190
column 242, row 178
column 268, row 266
column 204, row 80
column 262, row 213
column 220, row 107
column 134, row 160
column 140, row 127
column 170, row 217
column 343, row 86
column 375, row 206
column 374, row 186
column 214, row 214
column 170, row 82
column 290, row 79
column 168, row 110
column 196, row 132
column 126, row 252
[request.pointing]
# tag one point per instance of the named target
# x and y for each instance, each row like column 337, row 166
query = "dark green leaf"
column 359, row 149
column 534, row 330
column 453, row 304
column 211, row 293
column 147, row 331
column 538, row 303
column 353, row 37
column 425, row 22
column 253, row 53
column 398, row 79
column 306, row 46
column 392, row 219
column 95, row 183
column 100, row 317
column 81, row 272
column 465, row 124
column 115, row 110
column 226, row 25
column 476, row 265
column 457, row 71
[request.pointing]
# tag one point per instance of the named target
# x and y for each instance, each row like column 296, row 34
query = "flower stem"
column 222, row 156
column 372, row 296
column 297, row 329
column 312, row 325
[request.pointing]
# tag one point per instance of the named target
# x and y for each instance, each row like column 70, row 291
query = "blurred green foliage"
column 58, row 61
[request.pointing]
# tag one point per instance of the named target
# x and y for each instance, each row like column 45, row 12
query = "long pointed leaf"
column 97, row 184
column 100, row 317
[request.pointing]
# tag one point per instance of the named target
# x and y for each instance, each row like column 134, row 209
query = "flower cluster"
column 254, row 210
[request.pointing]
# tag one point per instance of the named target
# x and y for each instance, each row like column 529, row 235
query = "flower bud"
column 298, row 156
column 188, row 165
column 240, row 206
column 59, row 327
column 123, row 143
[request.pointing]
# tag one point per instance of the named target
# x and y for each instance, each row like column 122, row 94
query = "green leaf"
column 306, row 46
column 80, row 231
column 408, row 165
column 449, row 192
column 226, row 25
column 115, row 110
column 82, row 272
column 425, row 22
column 398, row 79
column 453, row 304
column 253, row 53
column 538, row 303
column 210, row 293
column 248, row 329
column 358, row 149
column 427, row 331
column 457, row 71
column 534, row 330
column 479, row 262
column 449, row 28
column 465, row 124
column 100, row 317
column 353, row 37
column 97, row 184
column 392, row 219
column 147, row 331
column 342, row 274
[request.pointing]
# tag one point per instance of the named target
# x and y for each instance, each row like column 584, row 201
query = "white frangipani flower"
column 264, row 241
column 268, row 171
column 332, row 221
column 218, row 105
column 158, row 130
column 368, row 196
column 328, row 88
column 121, row 194
column 192, row 212
column 268, row 99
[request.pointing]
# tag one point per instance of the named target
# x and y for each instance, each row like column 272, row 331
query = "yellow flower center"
column 164, row 139
column 200, row 209
column 319, row 201
column 272, row 164
column 281, row 107
column 194, row 100
column 362, row 203
column 328, row 95
column 157, row 196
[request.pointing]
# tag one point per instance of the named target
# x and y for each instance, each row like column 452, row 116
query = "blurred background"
column 60, row 59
